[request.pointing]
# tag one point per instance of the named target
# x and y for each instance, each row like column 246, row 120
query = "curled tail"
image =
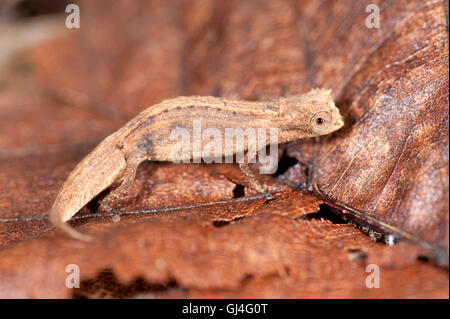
column 96, row 172
column 69, row 230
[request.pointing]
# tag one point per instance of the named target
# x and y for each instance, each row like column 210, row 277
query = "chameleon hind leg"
column 127, row 182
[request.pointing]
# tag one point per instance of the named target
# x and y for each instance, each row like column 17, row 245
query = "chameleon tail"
column 94, row 174
column 72, row 232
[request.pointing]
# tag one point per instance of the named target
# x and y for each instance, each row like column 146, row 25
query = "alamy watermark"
column 373, row 19
column 73, row 18
column 73, row 279
column 220, row 146
column 373, row 279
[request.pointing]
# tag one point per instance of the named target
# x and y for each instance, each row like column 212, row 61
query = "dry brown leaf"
column 187, row 230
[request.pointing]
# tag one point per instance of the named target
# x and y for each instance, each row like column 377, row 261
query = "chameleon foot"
column 253, row 181
column 268, row 196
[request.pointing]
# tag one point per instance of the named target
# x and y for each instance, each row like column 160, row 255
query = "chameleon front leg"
column 253, row 181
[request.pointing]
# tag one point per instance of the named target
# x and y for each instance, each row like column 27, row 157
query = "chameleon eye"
column 319, row 121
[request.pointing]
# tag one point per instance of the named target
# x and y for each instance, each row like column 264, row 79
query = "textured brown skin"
column 146, row 137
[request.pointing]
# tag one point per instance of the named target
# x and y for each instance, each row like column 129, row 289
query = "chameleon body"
column 146, row 137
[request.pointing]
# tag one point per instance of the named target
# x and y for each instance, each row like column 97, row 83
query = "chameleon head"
column 310, row 114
